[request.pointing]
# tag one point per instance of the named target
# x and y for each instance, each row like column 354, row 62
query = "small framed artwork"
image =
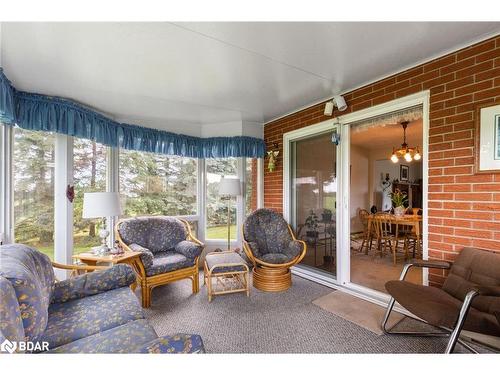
column 487, row 151
column 404, row 173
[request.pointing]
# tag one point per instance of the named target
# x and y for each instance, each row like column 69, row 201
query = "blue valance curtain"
column 58, row 115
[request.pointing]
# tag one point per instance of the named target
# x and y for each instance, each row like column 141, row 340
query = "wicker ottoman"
column 225, row 272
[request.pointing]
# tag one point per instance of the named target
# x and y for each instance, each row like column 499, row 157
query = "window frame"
column 63, row 209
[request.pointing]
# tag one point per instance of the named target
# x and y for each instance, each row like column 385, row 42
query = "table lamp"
column 229, row 187
column 101, row 205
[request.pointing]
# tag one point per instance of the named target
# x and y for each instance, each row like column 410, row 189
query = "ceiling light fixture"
column 337, row 101
column 406, row 152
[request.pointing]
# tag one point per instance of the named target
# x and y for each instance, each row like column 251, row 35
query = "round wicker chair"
column 269, row 243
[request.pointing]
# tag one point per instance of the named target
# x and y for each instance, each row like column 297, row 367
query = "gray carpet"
column 285, row 322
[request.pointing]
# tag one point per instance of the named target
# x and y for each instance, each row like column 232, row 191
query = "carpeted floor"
column 285, row 322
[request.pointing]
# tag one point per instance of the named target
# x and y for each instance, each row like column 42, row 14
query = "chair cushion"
column 471, row 268
column 178, row 343
column 439, row 308
column 267, row 231
column 156, row 233
column 168, row 261
column 32, row 277
column 225, row 262
column 189, row 249
column 11, row 324
column 121, row 339
column 146, row 255
column 276, row 258
column 79, row 318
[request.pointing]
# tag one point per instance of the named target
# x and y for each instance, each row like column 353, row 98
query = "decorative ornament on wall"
column 70, row 193
column 272, row 155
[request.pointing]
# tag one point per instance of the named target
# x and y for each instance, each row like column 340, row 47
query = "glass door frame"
column 342, row 124
column 289, row 194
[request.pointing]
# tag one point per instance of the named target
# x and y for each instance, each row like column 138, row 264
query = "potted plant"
column 399, row 199
column 326, row 216
column 312, row 225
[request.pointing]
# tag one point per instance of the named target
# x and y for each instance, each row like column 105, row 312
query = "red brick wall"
column 464, row 208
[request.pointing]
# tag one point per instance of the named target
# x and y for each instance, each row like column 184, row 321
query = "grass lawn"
column 83, row 243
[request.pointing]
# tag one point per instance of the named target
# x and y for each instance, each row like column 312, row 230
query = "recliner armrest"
column 441, row 264
column 488, row 291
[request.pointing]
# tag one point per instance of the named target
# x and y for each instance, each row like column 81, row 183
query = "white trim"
column 343, row 194
column 112, row 185
column 63, row 208
column 202, row 196
column 6, row 191
column 295, row 135
column 437, row 56
column 241, row 172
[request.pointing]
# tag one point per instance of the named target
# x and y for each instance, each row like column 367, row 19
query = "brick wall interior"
column 464, row 208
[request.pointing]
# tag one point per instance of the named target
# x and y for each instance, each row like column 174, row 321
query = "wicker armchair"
column 169, row 251
column 269, row 243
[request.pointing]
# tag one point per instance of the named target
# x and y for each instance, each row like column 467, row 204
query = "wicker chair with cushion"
column 269, row 243
column 169, row 251
column 469, row 298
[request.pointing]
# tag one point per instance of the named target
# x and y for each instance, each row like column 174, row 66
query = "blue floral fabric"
column 84, row 317
column 267, row 235
column 168, row 261
column 121, row 339
column 32, row 277
column 92, row 283
column 146, row 255
column 11, row 324
column 155, row 233
column 189, row 249
column 179, row 343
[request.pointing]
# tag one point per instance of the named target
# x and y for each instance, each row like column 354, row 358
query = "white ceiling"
column 181, row 76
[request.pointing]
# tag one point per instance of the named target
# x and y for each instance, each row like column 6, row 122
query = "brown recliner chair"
column 469, row 298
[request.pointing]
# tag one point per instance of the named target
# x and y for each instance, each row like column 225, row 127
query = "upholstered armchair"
column 169, row 251
column 269, row 243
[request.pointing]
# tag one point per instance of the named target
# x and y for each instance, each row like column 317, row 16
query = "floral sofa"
column 93, row 313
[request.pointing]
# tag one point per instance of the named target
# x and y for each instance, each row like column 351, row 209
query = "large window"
column 216, row 219
column 33, row 179
column 89, row 169
column 154, row 184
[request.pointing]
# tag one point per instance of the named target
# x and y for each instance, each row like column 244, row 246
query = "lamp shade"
column 97, row 205
column 229, row 186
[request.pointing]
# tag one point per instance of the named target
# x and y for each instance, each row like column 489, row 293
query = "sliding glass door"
column 313, row 198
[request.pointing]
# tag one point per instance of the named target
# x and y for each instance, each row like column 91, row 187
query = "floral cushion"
column 269, row 238
column 146, row 255
column 179, row 343
column 84, row 317
column 156, row 233
column 121, row 339
column 32, row 277
column 11, row 324
column 92, row 283
column 189, row 249
column 168, row 261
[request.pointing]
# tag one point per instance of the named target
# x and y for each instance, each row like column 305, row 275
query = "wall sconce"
column 273, row 155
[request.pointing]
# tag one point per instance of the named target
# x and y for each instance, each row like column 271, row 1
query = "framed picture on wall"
column 404, row 173
column 487, row 150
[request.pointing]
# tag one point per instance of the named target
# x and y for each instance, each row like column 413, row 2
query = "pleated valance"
column 53, row 114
